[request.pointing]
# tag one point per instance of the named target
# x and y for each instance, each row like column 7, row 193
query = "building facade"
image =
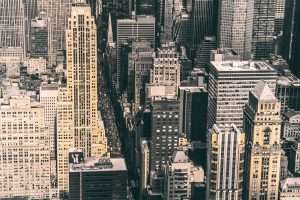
column 24, row 150
column 39, row 37
column 228, row 88
column 48, row 99
column 104, row 178
column 165, row 131
column 291, row 125
column 58, row 12
column 82, row 80
column 235, row 25
column 263, row 38
column 65, row 139
column 181, row 173
column 137, row 28
column 193, row 113
column 226, row 148
column 290, row 189
column 291, row 36
column 262, row 126
column 294, row 158
column 166, row 67
column 12, row 29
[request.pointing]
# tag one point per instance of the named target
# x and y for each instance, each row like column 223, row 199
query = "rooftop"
column 289, row 183
column 94, row 164
column 263, row 92
column 180, row 157
column 242, row 66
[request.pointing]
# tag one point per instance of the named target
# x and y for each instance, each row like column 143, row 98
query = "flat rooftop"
column 242, row 66
column 94, row 164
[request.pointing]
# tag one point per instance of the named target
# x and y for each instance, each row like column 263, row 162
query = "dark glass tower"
column 263, row 28
column 291, row 37
column 204, row 17
column 99, row 179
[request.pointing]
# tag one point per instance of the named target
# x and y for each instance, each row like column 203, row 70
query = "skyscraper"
column 262, row 125
column 138, row 28
column 167, row 22
column 279, row 16
column 58, row 12
column 204, row 17
column 193, row 113
column 235, row 26
column 292, row 36
column 12, row 29
column 39, row 37
column 228, row 88
column 140, row 62
column 164, row 131
column 48, row 98
column 30, row 12
column 78, row 120
column 226, row 148
column 82, row 80
column 24, row 150
column 263, row 28
column 65, row 138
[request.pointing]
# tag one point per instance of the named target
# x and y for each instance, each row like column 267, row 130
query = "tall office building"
column 193, row 113
column 263, row 28
column 262, row 125
column 228, row 88
column 58, row 12
column 12, row 29
column 48, row 98
column 235, row 26
column 24, row 150
column 164, row 131
column 140, row 62
column 166, row 67
column 30, row 12
column 82, row 80
column 138, row 28
column 226, row 148
column 279, row 16
column 202, row 57
column 204, row 18
column 65, row 138
column 291, row 36
column 167, row 7
column 182, row 30
column 78, row 120
column 39, row 40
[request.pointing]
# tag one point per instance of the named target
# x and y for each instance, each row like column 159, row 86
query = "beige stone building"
column 262, row 125
column 65, row 138
column 24, row 149
column 79, row 125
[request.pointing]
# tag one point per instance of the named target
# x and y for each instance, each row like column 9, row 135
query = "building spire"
column 110, row 38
